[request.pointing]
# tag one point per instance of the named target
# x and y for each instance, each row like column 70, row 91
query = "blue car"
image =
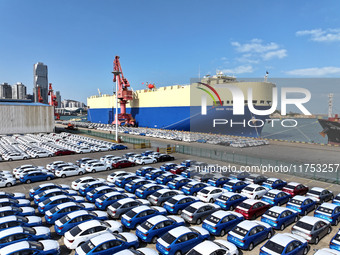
column 285, row 244
column 150, row 230
column 276, row 197
column 218, row 181
column 335, row 242
column 43, row 187
column 16, row 221
column 52, row 202
column 239, row 175
column 336, row 200
column 121, row 181
column 230, row 200
column 73, row 219
column 220, row 222
column 178, row 182
column 177, row 204
column 119, row 147
column 165, row 178
column 4, row 194
column 108, row 243
column 280, row 217
column 109, row 198
column 140, row 214
column 181, row 240
column 43, row 247
column 14, row 202
column 51, row 193
column 329, row 212
column 235, row 185
column 303, row 205
column 154, row 174
column 98, row 192
column 188, row 163
column 274, row 183
column 36, row 176
column 193, row 187
column 247, row 234
column 132, row 186
column 59, row 211
column 91, row 186
column 17, row 234
column 148, row 189
column 144, row 170
column 19, row 211
column 167, row 166
column 147, row 153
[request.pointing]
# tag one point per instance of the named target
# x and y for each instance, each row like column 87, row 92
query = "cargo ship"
column 179, row 107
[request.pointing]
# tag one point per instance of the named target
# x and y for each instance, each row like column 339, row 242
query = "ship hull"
column 332, row 130
column 189, row 118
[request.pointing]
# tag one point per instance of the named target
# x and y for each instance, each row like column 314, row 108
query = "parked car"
column 221, row 222
column 251, row 209
column 276, row 197
column 165, row 178
column 7, row 181
column 15, row 195
column 303, row 205
column 198, row 211
column 313, row 229
column 214, row 247
column 144, row 170
column 335, row 242
column 329, row 212
column 254, row 191
column 148, row 189
column 117, row 174
column 100, row 191
column 274, row 183
column 188, row 162
column 121, row 181
column 36, row 176
column 285, row 244
column 178, row 182
column 280, row 217
column 209, row 194
column 140, row 251
column 54, row 201
column 122, row 163
column 51, row 193
column 77, row 184
column 124, row 205
column 109, row 198
column 326, row 251
column 154, row 174
column 145, row 160
column 69, row 171
column 229, row 200
column 97, row 167
column 218, row 181
column 320, row 195
column 14, row 202
column 86, row 188
column 161, row 196
column 177, row 203
column 193, row 187
column 247, row 234
column 135, row 184
column 41, row 247
column 295, row 188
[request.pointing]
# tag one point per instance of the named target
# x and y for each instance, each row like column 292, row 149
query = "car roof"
column 154, row 220
column 8, row 218
column 141, row 208
column 251, row 201
column 275, row 191
column 279, row 209
column 234, row 180
column 317, row 189
column 329, row 205
column 294, row 183
column 311, row 219
column 67, row 204
column 179, row 197
column 253, row 186
column 77, row 213
column 126, row 200
column 9, row 231
column 102, row 238
column 198, row 204
column 272, row 179
column 221, row 213
column 229, row 194
column 285, row 239
column 176, row 232
column 211, row 188
column 247, row 224
column 89, row 224
column 300, row 198
column 15, row 247
column 206, row 247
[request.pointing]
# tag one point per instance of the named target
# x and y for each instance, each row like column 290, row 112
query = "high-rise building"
column 41, row 80
column 5, row 91
column 19, row 91
column 57, row 94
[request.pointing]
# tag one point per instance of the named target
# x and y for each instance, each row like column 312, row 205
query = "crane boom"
column 53, row 101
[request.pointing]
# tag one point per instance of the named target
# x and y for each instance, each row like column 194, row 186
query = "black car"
column 202, row 177
column 165, row 157
column 256, row 179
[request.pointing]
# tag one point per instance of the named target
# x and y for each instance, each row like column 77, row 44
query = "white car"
column 214, row 247
column 83, row 180
column 145, row 160
column 97, row 167
column 15, row 156
column 52, row 165
column 254, row 191
column 82, row 150
column 140, row 251
column 69, row 171
column 42, row 154
column 103, row 240
column 279, row 242
column 135, row 157
column 104, row 158
column 23, row 167
column 45, row 246
column 88, row 162
column 323, row 251
column 209, row 194
column 86, row 230
column 109, row 161
column 7, row 182
column 115, row 175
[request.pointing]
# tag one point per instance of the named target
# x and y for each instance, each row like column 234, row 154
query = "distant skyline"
column 169, row 42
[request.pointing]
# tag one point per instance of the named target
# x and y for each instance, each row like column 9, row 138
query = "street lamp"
column 116, row 74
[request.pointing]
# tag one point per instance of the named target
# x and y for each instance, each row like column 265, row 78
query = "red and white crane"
column 124, row 94
column 53, row 101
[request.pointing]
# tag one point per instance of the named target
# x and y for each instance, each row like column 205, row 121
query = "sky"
column 169, row 42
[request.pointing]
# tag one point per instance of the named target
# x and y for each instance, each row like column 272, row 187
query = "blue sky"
column 165, row 42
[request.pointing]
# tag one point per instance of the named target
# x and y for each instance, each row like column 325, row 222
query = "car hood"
column 129, row 237
column 49, row 245
column 42, row 230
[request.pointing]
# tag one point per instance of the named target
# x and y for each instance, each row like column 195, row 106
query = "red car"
column 64, row 152
column 294, row 188
column 178, row 169
column 122, row 163
column 251, row 208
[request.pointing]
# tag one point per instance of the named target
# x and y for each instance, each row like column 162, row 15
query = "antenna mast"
column 330, row 105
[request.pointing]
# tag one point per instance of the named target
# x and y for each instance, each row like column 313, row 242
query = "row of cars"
column 21, row 147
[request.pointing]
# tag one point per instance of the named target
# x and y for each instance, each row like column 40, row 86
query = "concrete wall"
column 26, row 118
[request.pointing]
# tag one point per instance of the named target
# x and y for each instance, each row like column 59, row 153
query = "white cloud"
column 315, row 71
column 319, row 35
column 239, row 70
column 275, row 54
column 255, row 45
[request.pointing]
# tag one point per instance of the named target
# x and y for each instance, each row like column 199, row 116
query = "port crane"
column 40, row 99
column 53, row 101
column 124, row 94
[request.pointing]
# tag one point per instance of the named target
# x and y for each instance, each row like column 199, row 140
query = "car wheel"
column 119, row 167
column 211, row 200
column 80, row 173
column 154, row 161
column 133, row 164
column 194, row 194
column 25, row 158
column 178, row 253
column 154, row 239
column 36, row 156
column 316, row 240
column 48, row 178
column 222, row 232
column 49, row 155
column 81, row 152
column 198, row 221
column 107, row 169
column 336, row 222
column 251, row 246
column 269, row 235
column 10, row 159
column 8, row 184
column 296, row 219
column 93, row 171
column 28, row 181
column 329, row 230
column 305, row 251
column 143, row 163
column 231, row 208
column 282, row 227
column 256, row 197
column 179, row 211
column 63, row 176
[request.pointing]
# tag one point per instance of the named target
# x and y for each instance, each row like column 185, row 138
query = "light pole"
column 116, row 75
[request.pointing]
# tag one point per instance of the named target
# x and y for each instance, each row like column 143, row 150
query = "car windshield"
column 337, row 237
column 75, row 231
column 143, row 188
column 314, row 192
column 223, row 197
column 269, row 182
column 213, row 219
column 190, row 209
column 194, row 252
column 54, row 209
column 146, row 225
column 337, row 198
column 77, row 181
column 270, row 195
column 272, row 214
column 296, row 202
column 168, row 238
column 64, row 219
column 249, row 188
column 325, row 210
column 304, row 225
column 275, row 247
column 230, row 184
column 204, row 191
column 291, row 187
column 245, row 205
column 172, row 201
column 87, row 247
column 131, row 213
column 36, row 245
column 240, row 231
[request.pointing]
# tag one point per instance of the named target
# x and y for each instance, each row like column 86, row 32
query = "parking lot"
column 24, row 188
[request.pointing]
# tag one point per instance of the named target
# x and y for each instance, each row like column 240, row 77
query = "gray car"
column 198, row 211
column 124, row 205
column 312, row 228
column 163, row 195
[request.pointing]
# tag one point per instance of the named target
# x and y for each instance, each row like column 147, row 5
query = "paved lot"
column 179, row 157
